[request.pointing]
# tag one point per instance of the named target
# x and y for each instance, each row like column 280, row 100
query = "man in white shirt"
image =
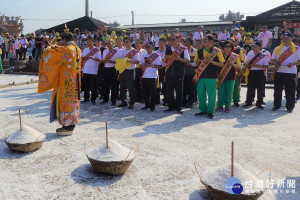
column 156, row 40
column 198, row 35
column 223, row 35
column 135, row 36
column 161, row 72
column 23, row 48
column 91, row 57
column 150, row 62
column 119, row 43
column 138, row 73
column 266, row 37
column 256, row 61
column 285, row 58
column 110, row 73
column 128, row 76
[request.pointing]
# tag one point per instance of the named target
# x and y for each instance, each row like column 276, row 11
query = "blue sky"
column 46, row 13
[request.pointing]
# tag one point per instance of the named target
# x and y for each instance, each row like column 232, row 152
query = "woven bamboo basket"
column 28, row 147
column 112, row 167
column 222, row 195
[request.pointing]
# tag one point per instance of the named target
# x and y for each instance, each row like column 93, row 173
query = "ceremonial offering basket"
column 28, row 147
column 110, row 167
column 222, row 195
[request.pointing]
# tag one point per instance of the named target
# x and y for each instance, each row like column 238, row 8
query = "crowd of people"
column 184, row 69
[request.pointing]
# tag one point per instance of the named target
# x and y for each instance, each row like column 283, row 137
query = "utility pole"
column 132, row 14
column 86, row 8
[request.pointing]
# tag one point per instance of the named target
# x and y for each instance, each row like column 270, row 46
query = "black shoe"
column 236, row 104
column 168, row 110
column 210, row 115
column 200, row 113
column 259, row 106
column 144, row 108
column 123, row 104
column 275, row 109
column 113, row 103
column 290, row 110
column 263, row 103
column 101, row 97
column 103, row 102
column 142, row 101
column 190, row 105
column 179, row 112
column 165, row 104
column 131, row 105
column 152, row 109
column 93, row 102
column 247, row 105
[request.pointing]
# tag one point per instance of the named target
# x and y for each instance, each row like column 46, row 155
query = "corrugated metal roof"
column 180, row 24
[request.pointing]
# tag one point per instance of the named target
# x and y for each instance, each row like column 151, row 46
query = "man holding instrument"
column 209, row 61
column 285, row 58
column 176, row 57
column 256, row 61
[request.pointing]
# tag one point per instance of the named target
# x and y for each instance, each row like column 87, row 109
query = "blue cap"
column 257, row 43
column 223, row 27
column 150, row 43
column 287, row 34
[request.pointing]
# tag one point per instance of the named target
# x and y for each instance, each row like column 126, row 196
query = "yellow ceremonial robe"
column 59, row 70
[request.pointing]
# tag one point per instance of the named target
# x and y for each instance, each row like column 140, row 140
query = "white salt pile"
column 217, row 177
column 27, row 135
column 115, row 152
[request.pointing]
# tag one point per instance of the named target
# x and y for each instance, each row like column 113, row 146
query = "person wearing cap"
column 207, row 83
column 242, row 33
column 150, row 62
column 266, row 37
column 223, row 35
column 23, row 42
column 176, row 57
column 236, row 32
column 59, row 70
column 123, row 34
column 113, row 36
column 285, row 58
column 256, row 61
column 166, row 35
column 198, row 35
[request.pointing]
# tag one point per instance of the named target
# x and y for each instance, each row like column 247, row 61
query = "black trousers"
column 110, row 84
column 100, row 79
column 90, row 86
column 162, row 85
column 127, row 81
column 174, row 83
column 298, row 82
column 22, row 53
column 138, row 90
column 288, row 81
column 149, row 90
column 188, row 90
column 256, row 80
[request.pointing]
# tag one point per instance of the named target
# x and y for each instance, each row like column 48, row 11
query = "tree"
column 231, row 16
column 39, row 31
column 114, row 24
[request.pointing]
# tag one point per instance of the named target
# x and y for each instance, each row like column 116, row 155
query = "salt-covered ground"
column 168, row 144
column 5, row 79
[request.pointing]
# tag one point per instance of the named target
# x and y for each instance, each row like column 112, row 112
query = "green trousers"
column 236, row 91
column 207, row 86
column 225, row 93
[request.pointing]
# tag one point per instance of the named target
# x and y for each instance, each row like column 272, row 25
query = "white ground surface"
column 9, row 78
column 168, row 144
